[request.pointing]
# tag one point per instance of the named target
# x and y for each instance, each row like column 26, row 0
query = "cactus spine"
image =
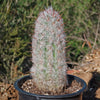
column 48, row 54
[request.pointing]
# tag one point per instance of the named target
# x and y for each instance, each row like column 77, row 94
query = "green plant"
column 81, row 20
column 48, row 53
column 14, row 41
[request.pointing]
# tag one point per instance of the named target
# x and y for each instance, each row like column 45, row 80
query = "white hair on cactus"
column 48, row 54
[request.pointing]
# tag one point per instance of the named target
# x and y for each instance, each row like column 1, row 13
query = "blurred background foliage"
column 17, row 19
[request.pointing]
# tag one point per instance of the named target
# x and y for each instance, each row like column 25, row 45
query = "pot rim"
column 51, row 96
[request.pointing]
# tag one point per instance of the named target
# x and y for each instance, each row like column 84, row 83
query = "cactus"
column 48, row 54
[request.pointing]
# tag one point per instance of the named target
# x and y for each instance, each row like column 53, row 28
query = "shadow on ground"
column 92, row 88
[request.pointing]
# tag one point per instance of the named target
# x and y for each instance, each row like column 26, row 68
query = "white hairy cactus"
column 48, row 54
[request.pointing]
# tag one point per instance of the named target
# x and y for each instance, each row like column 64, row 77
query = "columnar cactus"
column 48, row 54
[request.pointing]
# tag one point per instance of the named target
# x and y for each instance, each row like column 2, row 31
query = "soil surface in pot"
column 29, row 86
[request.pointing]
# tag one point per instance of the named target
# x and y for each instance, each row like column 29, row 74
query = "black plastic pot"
column 29, row 96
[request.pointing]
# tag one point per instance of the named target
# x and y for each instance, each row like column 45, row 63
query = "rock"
column 85, row 76
column 98, row 93
column 72, row 71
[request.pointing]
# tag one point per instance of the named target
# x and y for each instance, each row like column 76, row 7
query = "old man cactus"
column 48, row 54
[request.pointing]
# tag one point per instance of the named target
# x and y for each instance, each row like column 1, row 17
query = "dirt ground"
column 88, row 70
